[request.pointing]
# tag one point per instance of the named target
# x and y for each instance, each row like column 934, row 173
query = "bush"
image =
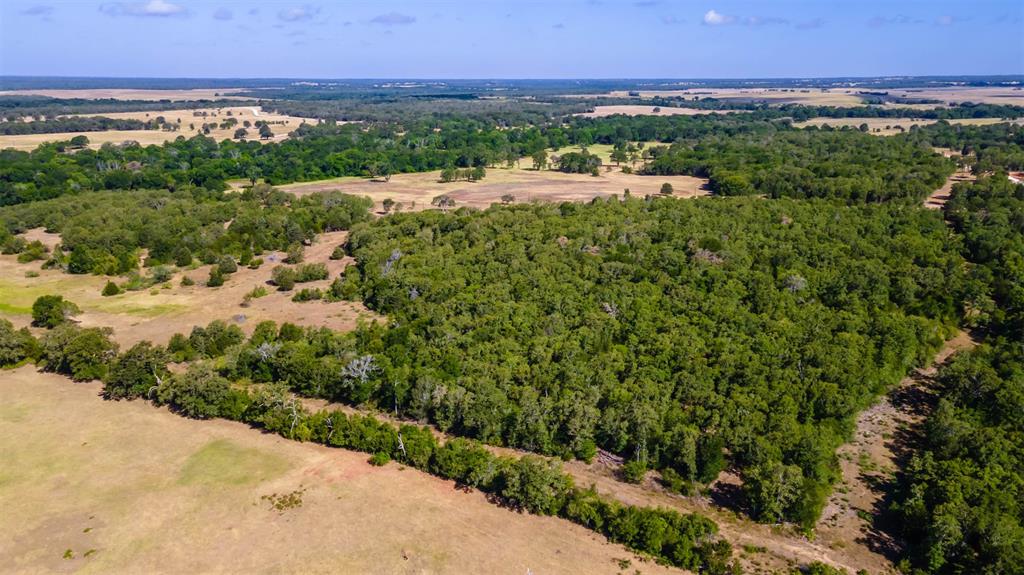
column 16, row 345
column 338, row 253
column 135, row 372
column 310, row 272
column 111, row 289
column 51, row 310
column 255, row 263
column 80, row 353
column 198, row 393
column 666, row 189
column 294, row 254
column 308, row 294
column 227, row 265
column 283, row 277
column 161, row 274
column 633, row 471
column 187, row 281
column 380, row 458
column 216, row 278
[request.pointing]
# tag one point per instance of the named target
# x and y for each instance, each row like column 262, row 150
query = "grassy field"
column 888, row 126
column 281, row 125
column 415, row 191
column 93, row 486
column 811, row 97
column 157, row 313
column 603, row 111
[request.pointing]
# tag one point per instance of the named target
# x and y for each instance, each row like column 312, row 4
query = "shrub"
column 255, row 263
column 308, row 294
column 161, row 274
column 310, row 272
column 216, row 278
column 133, row 373
column 15, row 345
column 187, row 281
column 198, row 393
column 80, row 353
column 227, row 265
column 666, row 189
column 111, row 289
column 338, row 253
column 294, row 254
column 380, row 458
column 51, row 310
column 633, row 471
column 283, row 277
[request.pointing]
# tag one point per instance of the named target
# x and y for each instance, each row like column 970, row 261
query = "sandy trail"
column 884, row 437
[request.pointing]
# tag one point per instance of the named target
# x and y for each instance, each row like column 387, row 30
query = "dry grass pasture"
column 808, row 96
column 94, row 486
column 888, row 126
column 135, row 94
column 158, row 313
column 415, row 191
column 280, row 124
column 627, row 110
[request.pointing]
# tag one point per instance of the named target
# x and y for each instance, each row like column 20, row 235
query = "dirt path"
column 883, row 438
column 937, row 199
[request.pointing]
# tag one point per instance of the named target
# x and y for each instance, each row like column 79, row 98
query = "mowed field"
column 415, row 191
column 888, row 126
column 280, row 124
column 157, row 313
column 95, row 486
column 134, row 94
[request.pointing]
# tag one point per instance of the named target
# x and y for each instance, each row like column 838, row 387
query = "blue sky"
column 510, row 39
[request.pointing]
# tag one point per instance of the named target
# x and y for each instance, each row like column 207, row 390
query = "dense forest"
column 960, row 504
column 75, row 124
column 665, row 331
column 104, row 233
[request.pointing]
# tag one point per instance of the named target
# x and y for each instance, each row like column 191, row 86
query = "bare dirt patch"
column 157, row 313
column 124, row 487
column 415, row 191
column 937, row 199
column 883, row 440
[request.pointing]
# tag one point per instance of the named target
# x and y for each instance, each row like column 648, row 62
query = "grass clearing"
column 223, row 462
column 126, row 487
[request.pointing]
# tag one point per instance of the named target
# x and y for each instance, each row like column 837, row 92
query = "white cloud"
column 297, row 14
column 156, row 8
column 713, row 18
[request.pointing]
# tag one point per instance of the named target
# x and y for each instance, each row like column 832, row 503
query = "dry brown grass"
column 132, row 94
column 156, row 314
column 140, row 490
column 812, row 97
column 888, row 126
column 186, row 117
column 603, row 111
column 415, row 191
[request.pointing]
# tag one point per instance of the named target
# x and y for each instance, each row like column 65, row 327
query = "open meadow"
column 892, row 126
column 190, row 124
column 93, row 486
column 157, row 313
column 415, row 191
